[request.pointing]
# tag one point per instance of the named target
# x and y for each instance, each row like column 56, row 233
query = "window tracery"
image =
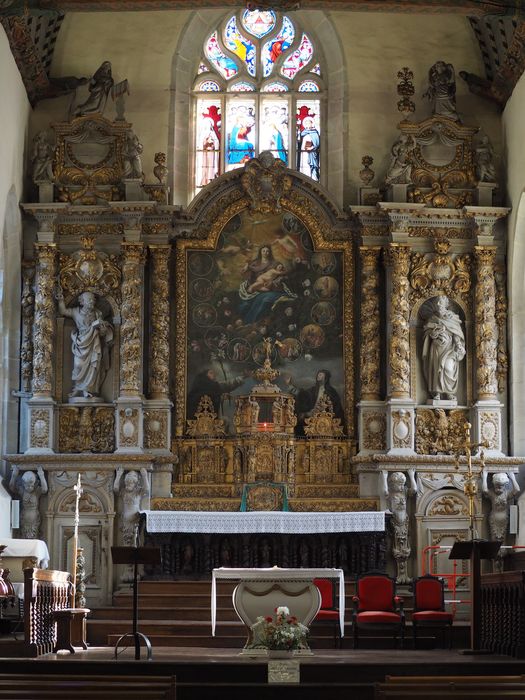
column 260, row 67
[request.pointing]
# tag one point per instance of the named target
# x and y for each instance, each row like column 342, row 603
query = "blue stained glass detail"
column 258, row 22
column 216, row 56
column 274, row 87
column 240, row 45
column 316, row 69
column 275, row 47
column 208, row 86
column 308, row 86
column 242, row 87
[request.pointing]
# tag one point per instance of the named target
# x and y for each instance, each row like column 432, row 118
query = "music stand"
column 475, row 550
column 135, row 556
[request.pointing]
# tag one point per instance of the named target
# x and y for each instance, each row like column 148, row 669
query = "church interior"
column 261, row 366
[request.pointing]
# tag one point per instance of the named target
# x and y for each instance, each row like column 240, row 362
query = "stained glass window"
column 259, row 22
column 269, row 65
column 308, row 86
column 277, row 46
column 240, row 45
column 208, row 141
column 274, row 87
column 308, row 138
column 241, row 132
column 242, row 86
column 299, row 59
column 208, row 86
column 224, row 64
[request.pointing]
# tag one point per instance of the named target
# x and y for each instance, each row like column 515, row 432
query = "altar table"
column 276, row 574
column 274, row 522
column 26, row 548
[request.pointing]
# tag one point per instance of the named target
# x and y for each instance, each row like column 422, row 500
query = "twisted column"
column 370, row 351
column 485, row 323
column 44, row 326
column 398, row 259
column 133, row 257
column 160, row 325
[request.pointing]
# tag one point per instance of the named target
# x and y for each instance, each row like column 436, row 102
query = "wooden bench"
column 85, row 687
column 457, row 687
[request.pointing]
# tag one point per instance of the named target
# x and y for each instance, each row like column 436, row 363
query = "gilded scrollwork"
column 486, row 330
column 94, row 230
column 489, row 422
column 160, row 327
column 28, row 315
column 501, row 322
column 129, row 427
column 440, row 273
column 398, row 257
column 265, row 180
column 323, row 422
column 133, row 258
column 370, row 346
column 86, row 429
column 88, row 270
column 439, row 431
column 40, row 427
column 156, row 430
column 206, row 422
column 374, row 430
column 44, row 327
column 448, row 505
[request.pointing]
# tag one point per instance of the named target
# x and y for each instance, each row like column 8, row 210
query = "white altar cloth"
column 27, row 548
column 277, row 574
column 274, row 522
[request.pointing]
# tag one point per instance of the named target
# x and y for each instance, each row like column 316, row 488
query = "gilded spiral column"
column 133, row 258
column 370, row 350
column 398, row 259
column 160, row 353
column 485, row 324
column 44, row 324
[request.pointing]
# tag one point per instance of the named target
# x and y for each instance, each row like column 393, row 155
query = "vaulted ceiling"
column 32, row 27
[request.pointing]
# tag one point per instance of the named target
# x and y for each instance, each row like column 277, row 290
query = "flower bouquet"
column 280, row 632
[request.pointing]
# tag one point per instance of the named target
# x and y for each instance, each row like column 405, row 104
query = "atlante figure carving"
column 443, row 350
column 396, row 493
column 504, row 488
column 90, row 343
column 30, row 487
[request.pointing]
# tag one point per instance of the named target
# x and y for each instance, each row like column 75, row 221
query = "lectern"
column 475, row 550
column 135, row 556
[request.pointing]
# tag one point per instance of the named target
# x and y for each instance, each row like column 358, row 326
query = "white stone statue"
column 42, row 159
column 505, row 487
column 90, row 343
column 443, row 350
column 485, row 167
column 442, row 90
column 132, row 157
column 396, row 492
column 134, row 494
column 30, row 487
column 400, row 163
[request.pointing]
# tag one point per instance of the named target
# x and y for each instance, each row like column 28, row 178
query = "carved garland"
column 44, row 329
column 486, row 340
column 130, row 333
column 398, row 257
column 370, row 348
column 28, row 315
column 160, row 327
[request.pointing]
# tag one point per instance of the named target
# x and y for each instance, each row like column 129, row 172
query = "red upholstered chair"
column 328, row 610
column 429, row 606
column 377, row 607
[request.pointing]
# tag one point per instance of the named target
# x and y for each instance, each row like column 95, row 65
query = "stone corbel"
column 485, row 219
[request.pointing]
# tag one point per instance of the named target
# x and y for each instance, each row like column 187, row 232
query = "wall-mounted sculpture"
column 30, row 487
column 396, row 492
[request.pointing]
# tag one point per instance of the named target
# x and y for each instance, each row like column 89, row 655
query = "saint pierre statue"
column 90, row 343
column 443, row 350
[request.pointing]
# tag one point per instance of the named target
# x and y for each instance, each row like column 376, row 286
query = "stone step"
column 173, row 600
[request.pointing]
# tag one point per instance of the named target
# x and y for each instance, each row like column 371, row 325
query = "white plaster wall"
column 14, row 116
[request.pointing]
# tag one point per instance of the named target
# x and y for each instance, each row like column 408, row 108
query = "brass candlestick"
column 470, row 487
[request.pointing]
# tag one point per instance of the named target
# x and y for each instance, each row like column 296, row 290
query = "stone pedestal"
column 486, row 419
column 157, row 426
column 41, row 425
column 129, row 424
column 486, row 193
column 372, row 427
column 400, row 418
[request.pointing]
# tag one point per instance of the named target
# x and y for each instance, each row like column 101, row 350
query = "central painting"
column 265, row 279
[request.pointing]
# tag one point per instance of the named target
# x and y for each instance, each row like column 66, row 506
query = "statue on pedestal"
column 442, row 90
column 396, row 492
column 30, row 487
column 443, row 350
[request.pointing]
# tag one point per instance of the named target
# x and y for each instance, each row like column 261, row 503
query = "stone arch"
column 185, row 58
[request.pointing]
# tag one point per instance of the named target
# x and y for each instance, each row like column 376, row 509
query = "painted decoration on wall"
column 264, row 279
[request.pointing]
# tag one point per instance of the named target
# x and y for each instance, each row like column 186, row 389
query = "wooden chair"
column 377, row 607
column 329, row 611
column 429, row 606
